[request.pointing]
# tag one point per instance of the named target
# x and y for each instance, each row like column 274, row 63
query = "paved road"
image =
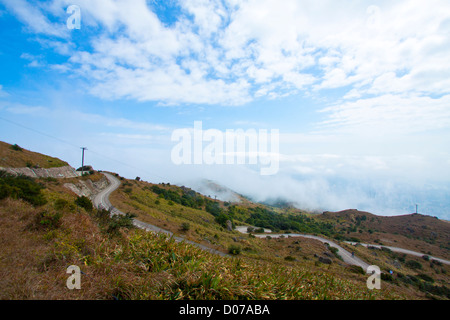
column 101, row 200
column 401, row 250
column 346, row 256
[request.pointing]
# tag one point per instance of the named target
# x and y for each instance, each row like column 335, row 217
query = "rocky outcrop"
column 60, row 172
column 87, row 188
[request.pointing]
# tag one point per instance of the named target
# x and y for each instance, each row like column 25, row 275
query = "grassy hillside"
column 120, row 262
column 14, row 156
column 163, row 205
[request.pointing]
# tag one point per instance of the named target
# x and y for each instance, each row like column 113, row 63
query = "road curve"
column 401, row 250
column 346, row 256
column 101, row 201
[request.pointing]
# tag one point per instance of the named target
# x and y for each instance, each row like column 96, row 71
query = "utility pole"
column 417, row 206
column 82, row 161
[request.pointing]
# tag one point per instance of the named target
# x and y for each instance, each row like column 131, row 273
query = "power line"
column 39, row 132
column 75, row 146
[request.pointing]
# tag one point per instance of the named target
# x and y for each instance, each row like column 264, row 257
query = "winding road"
column 346, row 256
column 401, row 250
column 101, row 201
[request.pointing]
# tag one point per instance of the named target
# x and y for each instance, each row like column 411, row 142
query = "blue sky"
column 358, row 90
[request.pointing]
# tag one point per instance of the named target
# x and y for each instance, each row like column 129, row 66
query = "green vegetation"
column 48, row 220
column 15, row 147
column 84, row 202
column 21, row 187
column 234, row 249
column 413, row 264
column 185, row 226
column 112, row 224
column 265, row 218
column 187, row 198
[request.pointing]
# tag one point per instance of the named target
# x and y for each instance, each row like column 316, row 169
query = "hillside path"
column 401, row 250
column 101, row 201
column 346, row 256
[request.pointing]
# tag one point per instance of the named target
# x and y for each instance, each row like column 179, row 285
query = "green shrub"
column 436, row 290
column 117, row 222
column 356, row 269
column 128, row 190
column 22, row 187
column 222, row 219
column 387, row 277
column 234, row 249
column 335, row 252
column 62, row 204
column 425, row 277
column 48, row 220
column 413, row 264
column 84, row 202
column 15, row 147
column 290, row 258
column 185, row 226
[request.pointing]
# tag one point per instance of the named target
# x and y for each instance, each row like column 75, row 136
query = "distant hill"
column 407, row 230
column 214, row 190
column 14, row 156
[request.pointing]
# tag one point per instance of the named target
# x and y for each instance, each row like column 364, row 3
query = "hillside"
column 47, row 224
column 14, row 156
column 414, row 231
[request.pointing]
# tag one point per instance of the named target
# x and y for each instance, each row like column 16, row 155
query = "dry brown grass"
column 20, row 159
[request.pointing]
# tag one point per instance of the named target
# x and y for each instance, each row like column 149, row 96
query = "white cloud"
column 389, row 114
column 234, row 52
column 35, row 20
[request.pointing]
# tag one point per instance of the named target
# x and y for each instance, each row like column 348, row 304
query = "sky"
column 359, row 92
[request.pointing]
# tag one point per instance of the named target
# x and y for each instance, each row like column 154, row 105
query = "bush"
column 15, row 147
column 84, row 202
column 63, row 204
column 335, row 252
column 356, row 269
column 425, row 277
column 22, row 187
column 128, row 190
column 413, row 264
column 48, row 220
column 222, row 219
column 234, row 249
column 387, row 277
column 120, row 221
column 289, row 258
column 437, row 290
column 185, row 226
